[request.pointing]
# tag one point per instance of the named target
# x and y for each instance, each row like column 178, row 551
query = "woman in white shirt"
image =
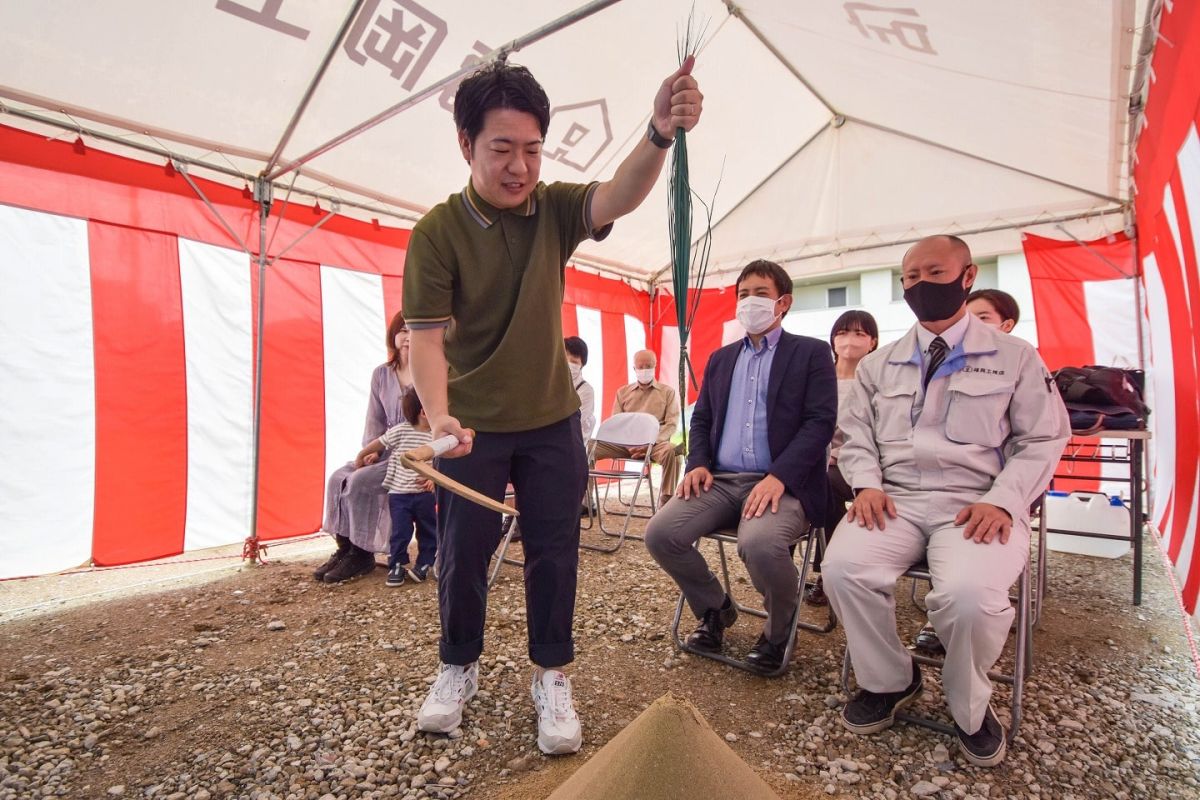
column 577, row 354
column 854, row 334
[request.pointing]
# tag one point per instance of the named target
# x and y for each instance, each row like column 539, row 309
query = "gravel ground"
column 265, row 684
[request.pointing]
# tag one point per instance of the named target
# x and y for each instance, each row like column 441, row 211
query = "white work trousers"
column 968, row 604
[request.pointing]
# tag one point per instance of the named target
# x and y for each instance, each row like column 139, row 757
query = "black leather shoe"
column 710, row 633
column 870, row 712
column 764, row 656
column 927, row 641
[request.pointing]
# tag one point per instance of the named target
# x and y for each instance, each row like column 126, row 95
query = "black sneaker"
column 927, row 641
column 342, row 548
column 395, row 576
column 870, row 712
column 987, row 746
column 420, row 572
column 710, row 633
column 356, row 562
column 765, row 657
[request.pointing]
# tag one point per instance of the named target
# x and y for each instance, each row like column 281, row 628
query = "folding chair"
column 508, row 529
column 628, row 429
column 679, row 455
column 1022, row 655
column 814, row 539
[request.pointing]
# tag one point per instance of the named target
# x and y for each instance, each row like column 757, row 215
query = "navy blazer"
column 801, row 415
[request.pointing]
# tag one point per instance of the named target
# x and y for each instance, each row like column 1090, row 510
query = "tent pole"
column 501, row 52
column 312, row 86
column 1092, row 250
column 262, row 196
column 736, row 11
column 1137, row 287
column 182, row 170
column 332, row 213
column 220, row 169
column 991, row 162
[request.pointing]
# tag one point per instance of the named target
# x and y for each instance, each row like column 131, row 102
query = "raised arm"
column 676, row 105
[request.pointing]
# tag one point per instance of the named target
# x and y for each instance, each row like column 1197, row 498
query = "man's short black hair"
column 767, row 269
column 499, row 85
column 410, row 406
column 576, row 347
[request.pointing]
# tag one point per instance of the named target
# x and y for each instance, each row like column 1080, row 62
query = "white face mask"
column 756, row 314
column 576, row 369
column 644, row 375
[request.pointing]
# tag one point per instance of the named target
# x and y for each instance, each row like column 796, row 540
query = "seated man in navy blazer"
column 757, row 458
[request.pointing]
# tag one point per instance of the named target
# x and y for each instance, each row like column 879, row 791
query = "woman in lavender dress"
column 356, row 500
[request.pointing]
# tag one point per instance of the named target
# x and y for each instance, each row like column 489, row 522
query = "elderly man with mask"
column 951, row 432
column 758, row 449
column 658, row 400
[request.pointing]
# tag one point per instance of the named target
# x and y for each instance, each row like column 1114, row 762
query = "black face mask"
column 934, row 301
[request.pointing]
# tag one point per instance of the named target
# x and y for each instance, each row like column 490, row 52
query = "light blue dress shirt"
column 743, row 446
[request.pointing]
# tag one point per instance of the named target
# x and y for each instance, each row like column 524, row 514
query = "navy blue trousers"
column 411, row 511
column 548, row 470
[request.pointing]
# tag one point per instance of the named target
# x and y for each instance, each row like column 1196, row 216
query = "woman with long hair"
column 356, row 500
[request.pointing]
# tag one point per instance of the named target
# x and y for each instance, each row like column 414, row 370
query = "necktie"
column 934, row 358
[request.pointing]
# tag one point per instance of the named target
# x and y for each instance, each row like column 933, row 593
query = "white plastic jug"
column 1087, row 512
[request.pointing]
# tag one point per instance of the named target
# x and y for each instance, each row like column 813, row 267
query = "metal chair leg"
column 633, row 500
column 619, row 536
column 624, row 532
column 510, row 528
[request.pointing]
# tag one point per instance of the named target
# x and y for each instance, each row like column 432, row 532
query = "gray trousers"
column 763, row 544
column 968, row 604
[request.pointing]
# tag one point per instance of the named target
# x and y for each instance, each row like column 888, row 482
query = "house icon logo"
column 579, row 133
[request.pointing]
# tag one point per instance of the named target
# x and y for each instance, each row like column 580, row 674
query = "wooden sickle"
column 418, row 460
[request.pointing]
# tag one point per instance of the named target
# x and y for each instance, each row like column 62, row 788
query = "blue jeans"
column 412, row 511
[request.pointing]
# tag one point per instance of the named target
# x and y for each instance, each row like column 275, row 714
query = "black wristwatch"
column 656, row 138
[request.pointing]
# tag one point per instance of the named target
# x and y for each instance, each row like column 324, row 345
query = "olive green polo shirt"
column 494, row 279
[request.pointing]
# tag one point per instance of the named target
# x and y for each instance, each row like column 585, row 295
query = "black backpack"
column 1099, row 398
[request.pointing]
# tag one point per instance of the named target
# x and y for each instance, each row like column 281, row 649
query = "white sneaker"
column 442, row 710
column 558, row 725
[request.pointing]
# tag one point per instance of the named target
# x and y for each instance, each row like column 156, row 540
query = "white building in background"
column 821, row 300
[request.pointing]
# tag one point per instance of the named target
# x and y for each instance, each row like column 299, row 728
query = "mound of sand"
column 668, row 752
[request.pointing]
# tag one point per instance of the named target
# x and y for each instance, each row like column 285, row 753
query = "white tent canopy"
column 831, row 129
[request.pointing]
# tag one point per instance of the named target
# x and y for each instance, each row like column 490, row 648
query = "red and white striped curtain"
column 1167, row 207
column 127, row 345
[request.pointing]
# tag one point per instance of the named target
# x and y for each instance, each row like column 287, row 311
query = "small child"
column 410, row 497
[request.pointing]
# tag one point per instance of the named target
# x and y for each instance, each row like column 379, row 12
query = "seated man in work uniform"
column 951, row 432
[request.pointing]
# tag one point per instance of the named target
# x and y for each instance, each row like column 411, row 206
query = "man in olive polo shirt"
column 483, row 289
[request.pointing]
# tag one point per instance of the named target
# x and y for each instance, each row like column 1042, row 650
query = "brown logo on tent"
column 579, row 133
column 267, row 16
column 882, row 20
column 400, row 34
